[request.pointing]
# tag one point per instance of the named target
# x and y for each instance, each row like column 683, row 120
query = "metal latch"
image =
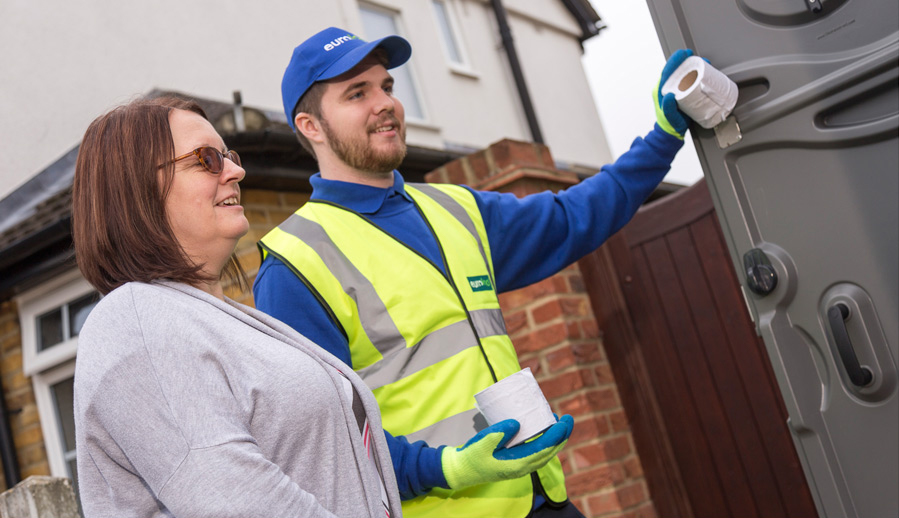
column 761, row 277
column 728, row 132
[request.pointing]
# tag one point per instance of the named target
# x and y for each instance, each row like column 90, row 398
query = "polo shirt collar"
column 363, row 199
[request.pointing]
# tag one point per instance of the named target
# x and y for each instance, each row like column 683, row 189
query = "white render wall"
column 63, row 63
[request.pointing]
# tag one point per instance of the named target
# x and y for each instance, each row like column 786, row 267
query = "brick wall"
column 555, row 333
column 19, row 398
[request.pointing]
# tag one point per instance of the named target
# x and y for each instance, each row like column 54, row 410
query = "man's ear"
column 310, row 127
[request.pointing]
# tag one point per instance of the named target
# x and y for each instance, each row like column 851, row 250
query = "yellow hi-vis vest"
column 424, row 342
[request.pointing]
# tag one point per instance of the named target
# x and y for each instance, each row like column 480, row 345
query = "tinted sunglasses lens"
column 212, row 159
column 234, row 157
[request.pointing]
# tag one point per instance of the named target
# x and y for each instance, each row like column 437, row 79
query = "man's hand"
column 669, row 117
column 483, row 459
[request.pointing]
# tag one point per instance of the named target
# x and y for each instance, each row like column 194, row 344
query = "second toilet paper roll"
column 702, row 91
column 516, row 397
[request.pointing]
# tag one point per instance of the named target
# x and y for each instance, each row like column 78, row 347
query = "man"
column 400, row 281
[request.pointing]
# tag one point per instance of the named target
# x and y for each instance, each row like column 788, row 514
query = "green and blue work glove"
column 484, row 459
column 670, row 118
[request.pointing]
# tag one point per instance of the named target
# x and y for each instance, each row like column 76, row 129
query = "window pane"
column 378, row 24
column 79, row 310
column 63, row 402
column 63, row 397
column 447, row 32
column 73, row 474
column 49, row 329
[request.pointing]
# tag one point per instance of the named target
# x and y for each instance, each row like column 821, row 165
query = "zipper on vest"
column 446, row 275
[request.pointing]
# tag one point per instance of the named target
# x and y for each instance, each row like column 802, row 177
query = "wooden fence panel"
column 695, row 379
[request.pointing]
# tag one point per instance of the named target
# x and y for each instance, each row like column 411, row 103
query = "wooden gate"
column 695, row 380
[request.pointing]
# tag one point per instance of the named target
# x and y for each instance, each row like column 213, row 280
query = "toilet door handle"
column 858, row 375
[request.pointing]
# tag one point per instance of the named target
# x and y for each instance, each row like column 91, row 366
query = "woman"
column 189, row 404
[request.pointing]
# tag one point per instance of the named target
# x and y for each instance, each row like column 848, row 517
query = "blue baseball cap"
column 328, row 54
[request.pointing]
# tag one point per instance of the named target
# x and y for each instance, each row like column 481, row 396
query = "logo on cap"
column 336, row 43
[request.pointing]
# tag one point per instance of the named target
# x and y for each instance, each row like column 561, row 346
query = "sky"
column 623, row 63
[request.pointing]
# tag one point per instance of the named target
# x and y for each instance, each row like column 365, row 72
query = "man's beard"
column 358, row 153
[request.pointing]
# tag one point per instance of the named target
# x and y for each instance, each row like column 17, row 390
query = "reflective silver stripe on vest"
column 438, row 346
column 381, row 329
column 452, row 431
column 453, row 207
column 441, row 344
column 488, row 322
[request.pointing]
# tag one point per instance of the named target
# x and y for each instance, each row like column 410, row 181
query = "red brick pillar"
column 555, row 333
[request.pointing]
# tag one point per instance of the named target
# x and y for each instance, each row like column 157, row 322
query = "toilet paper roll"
column 516, row 397
column 702, row 91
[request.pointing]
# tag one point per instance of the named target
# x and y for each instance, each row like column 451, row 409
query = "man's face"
column 362, row 120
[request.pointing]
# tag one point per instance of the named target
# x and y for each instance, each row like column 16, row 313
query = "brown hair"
column 311, row 101
column 119, row 225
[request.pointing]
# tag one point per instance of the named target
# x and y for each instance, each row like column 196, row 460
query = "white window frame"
column 413, row 77
column 51, row 365
column 54, row 442
column 463, row 67
column 36, row 302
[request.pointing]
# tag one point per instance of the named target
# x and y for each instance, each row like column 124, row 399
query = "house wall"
column 64, row 63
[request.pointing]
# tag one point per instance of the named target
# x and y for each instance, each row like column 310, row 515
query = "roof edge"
column 586, row 16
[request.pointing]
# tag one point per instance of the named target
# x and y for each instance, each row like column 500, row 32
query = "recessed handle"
column 858, row 375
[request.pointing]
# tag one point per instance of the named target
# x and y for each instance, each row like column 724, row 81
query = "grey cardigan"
column 192, row 407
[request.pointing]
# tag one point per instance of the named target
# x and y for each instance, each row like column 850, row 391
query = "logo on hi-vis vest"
column 480, row 283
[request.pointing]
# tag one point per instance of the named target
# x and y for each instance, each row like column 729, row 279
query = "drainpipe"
column 506, row 35
column 7, row 447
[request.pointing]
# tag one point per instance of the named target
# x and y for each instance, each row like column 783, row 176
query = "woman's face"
column 202, row 208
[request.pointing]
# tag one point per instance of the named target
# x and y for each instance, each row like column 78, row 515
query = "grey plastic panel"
column 808, row 171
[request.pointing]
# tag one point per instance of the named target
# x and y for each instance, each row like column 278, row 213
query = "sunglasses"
column 211, row 158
